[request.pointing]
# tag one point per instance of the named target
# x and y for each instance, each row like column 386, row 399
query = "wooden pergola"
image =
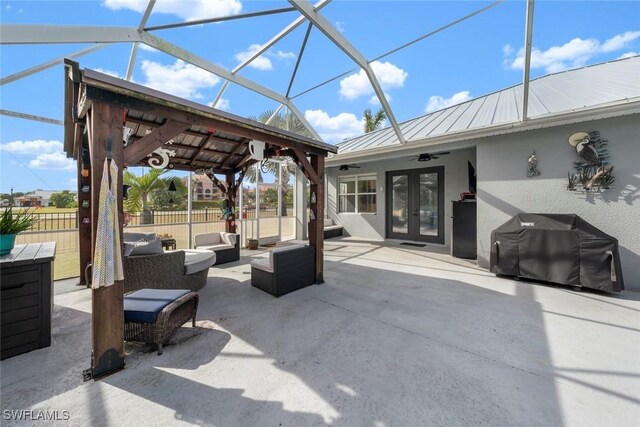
column 136, row 122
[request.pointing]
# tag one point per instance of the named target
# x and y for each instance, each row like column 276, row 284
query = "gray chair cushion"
column 136, row 237
column 207, row 239
column 198, row 260
column 143, row 248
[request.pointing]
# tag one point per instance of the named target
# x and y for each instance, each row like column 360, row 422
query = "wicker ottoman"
column 152, row 315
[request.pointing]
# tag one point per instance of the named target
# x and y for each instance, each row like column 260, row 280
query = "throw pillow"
column 152, row 247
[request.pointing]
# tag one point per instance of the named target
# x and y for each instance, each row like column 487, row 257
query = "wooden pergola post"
column 107, row 313
column 316, row 224
column 84, row 230
column 230, row 198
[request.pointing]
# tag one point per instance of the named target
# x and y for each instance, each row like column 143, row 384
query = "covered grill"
column 563, row 249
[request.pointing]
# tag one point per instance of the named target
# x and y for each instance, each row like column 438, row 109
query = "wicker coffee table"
column 152, row 315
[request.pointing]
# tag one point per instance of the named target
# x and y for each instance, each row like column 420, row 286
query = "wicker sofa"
column 170, row 270
column 287, row 269
column 225, row 245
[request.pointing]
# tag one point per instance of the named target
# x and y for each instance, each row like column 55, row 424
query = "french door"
column 415, row 204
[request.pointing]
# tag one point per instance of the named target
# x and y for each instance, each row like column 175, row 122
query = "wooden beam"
column 202, row 146
column 107, row 313
column 156, row 139
column 195, row 147
column 316, row 223
column 186, row 132
column 307, row 168
column 247, row 158
column 134, row 139
column 203, row 119
column 235, row 152
column 217, row 183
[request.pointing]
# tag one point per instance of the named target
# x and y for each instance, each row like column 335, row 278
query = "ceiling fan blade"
column 440, row 153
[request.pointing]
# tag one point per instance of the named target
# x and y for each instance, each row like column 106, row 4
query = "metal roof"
column 569, row 91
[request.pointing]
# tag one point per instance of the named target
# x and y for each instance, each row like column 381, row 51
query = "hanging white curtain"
column 107, row 256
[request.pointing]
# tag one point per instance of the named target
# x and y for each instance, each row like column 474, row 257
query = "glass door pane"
column 399, row 203
column 428, row 194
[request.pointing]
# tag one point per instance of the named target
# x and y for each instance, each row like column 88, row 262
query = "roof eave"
column 614, row 109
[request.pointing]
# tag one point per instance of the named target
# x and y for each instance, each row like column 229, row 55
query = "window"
column 357, row 194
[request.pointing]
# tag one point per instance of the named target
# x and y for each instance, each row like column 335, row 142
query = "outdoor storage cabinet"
column 563, row 249
column 464, row 229
column 26, row 298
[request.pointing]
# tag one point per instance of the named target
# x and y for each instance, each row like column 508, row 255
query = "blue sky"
column 473, row 58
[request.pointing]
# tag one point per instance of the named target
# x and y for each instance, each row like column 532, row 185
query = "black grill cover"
column 562, row 249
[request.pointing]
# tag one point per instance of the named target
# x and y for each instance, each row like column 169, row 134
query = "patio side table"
column 169, row 244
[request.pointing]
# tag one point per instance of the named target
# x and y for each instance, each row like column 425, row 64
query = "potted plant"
column 252, row 244
column 11, row 224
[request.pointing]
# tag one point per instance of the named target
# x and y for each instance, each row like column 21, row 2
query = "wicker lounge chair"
column 287, row 269
column 152, row 315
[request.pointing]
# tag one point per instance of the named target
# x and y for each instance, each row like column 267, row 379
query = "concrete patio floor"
column 397, row 335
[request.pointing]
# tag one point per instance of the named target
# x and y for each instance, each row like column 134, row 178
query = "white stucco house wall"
column 489, row 133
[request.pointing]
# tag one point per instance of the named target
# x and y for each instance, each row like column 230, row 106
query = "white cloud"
column 8, row 7
column 334, row 129
column 261, row 62
column 223, row 104
column 572, row 54
column 340, row 26
column 180, row 79
column 628, row 55
column 109, row 73
column 436, row 103
column 280, row 54
column 186, row 9
column 619, row 41
column 57, row 161
column 389, row 76
column 32, row 147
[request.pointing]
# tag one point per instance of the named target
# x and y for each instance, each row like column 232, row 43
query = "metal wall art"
column 532, row 165
column 162, row 161
column 593, row 170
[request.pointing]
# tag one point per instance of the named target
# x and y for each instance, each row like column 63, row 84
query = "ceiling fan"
column 347, row 167
column 425, row 157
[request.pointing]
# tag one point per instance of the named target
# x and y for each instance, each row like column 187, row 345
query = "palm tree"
column 287, row 121
column 141, row 188
column 373, row 122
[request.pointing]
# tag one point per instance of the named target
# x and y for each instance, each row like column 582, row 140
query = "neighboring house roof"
column 596, row 86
